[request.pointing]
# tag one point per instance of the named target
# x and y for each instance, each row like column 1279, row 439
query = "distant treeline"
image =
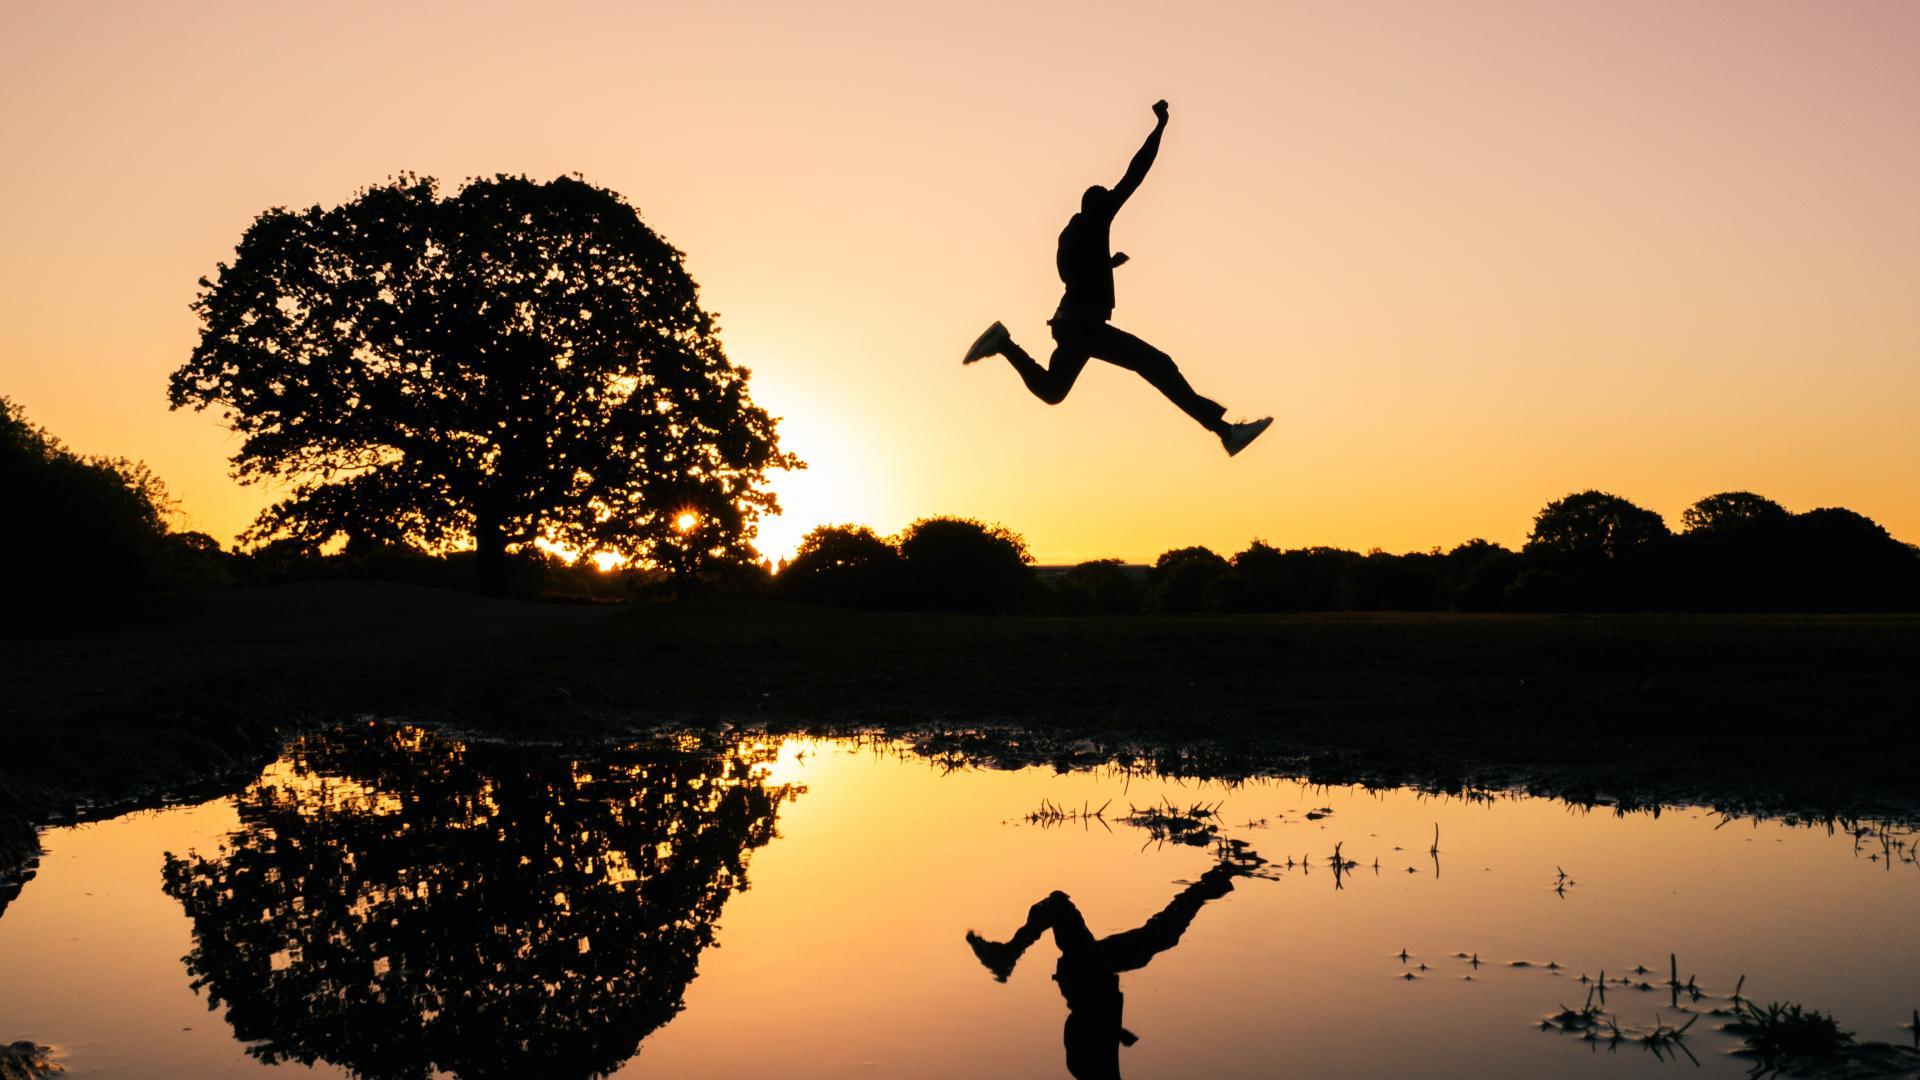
column 1590, row 551
column 85, row 528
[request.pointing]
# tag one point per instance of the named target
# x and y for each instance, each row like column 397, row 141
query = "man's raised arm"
column 1143, row 159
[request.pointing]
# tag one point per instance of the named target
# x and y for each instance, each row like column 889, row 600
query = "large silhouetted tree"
column 516, row 361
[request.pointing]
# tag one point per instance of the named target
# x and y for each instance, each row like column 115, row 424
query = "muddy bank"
column 1800, row 715
column 163, row 698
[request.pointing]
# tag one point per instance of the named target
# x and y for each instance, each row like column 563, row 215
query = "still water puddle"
column 391, row 902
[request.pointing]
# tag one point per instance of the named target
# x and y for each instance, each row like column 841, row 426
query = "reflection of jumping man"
column 1089, row 968
column 1081, row 331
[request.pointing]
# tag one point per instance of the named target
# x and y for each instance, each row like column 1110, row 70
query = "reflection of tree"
column 397, row 903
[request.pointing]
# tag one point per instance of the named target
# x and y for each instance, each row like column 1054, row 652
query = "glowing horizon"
column 1474, row 258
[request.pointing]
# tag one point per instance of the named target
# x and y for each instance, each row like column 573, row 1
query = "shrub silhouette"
column 1543, row 590
column 1478, row 574
column 1097, row 587
column 1383, row 582
column 1833, row 559
column 194, row 560
column 848, row 566
column 1258, row 581
column 1265, row 578
column 1180, row 578
column 1094, row 587
column 83, row 528
column 1609, row 554
column 958, row 564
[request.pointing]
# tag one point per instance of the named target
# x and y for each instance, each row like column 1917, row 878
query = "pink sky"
column 1472, row 256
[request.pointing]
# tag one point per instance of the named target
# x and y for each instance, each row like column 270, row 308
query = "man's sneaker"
column 998, row 957
column 1239, row 435
column 991, row 343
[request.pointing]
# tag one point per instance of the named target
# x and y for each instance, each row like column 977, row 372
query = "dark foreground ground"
column 1779, row 714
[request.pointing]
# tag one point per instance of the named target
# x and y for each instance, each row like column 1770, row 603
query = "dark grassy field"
column 1811, row 714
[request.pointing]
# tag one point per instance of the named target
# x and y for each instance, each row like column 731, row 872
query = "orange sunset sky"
column 1473, row 256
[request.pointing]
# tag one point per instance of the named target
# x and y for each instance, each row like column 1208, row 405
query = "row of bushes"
column 1588, row 552
column 1591, row 551
column 96, row 527
column 951, row 564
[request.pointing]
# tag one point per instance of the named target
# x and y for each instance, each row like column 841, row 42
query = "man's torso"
column 1085, row 263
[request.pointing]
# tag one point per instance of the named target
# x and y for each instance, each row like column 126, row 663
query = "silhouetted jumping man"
column 1081, row 331
column 1089, row 968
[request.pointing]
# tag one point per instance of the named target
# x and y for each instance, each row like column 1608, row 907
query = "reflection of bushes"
column 397, row 903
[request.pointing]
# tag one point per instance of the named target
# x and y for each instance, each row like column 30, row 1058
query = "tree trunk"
column 490, row 554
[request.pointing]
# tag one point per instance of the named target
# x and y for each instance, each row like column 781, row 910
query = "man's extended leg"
column 1131, row 949
column 1114, row 345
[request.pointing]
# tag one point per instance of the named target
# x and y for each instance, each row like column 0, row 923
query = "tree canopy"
column 515, row 362
column 1593, row 527
column 1731, row 510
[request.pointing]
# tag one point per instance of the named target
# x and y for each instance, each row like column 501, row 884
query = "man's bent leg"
column 1056, row 913
column 1051, row 383
column 1116, row 346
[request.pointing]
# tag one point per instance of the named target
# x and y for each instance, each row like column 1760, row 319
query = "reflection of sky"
column 1473, row 255
column 846, row 954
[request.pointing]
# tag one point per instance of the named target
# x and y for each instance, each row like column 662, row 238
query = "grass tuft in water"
column 1783, row 1031
column 1050, row 813
column 1197, row 825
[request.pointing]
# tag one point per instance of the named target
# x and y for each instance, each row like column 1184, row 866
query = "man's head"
column 1096, row 200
